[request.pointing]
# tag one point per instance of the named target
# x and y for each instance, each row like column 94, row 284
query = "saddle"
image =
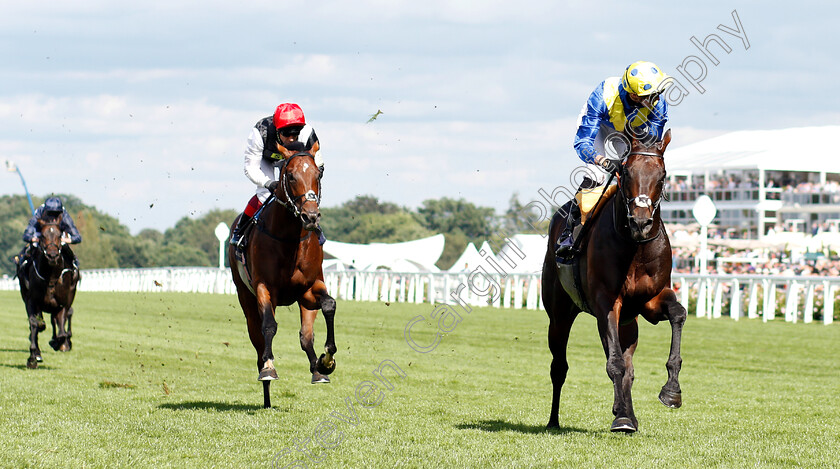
column 569, row 273
column 587, row 198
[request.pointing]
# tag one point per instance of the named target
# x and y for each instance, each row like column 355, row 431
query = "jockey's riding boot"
column 236, row 238
column 566, row 242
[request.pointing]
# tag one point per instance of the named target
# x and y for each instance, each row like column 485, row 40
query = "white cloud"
column 156, row 99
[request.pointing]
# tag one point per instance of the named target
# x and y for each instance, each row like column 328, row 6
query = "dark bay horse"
column 623, row 271
column 48, row 284
column 283, row 266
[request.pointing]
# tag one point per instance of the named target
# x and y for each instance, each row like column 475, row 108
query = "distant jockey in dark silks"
column 51, row 209
column 618, row 110
column 272, row 140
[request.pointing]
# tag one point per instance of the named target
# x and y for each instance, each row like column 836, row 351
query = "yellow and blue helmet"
column 643, row 78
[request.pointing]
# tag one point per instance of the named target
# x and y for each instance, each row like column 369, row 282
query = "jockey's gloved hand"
column 609, row 165
column 271, row 185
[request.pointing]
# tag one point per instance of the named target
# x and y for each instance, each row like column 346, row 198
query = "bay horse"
column 283, row 265
column 623, row 271
column 48, row 284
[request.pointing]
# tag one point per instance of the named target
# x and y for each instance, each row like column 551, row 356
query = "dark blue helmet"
column 53, row 204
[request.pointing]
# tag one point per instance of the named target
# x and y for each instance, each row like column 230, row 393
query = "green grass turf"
column 169, row 380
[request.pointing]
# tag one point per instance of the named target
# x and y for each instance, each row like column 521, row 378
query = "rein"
column 642, row 200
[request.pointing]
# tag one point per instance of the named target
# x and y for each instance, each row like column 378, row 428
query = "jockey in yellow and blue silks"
column 618, row 108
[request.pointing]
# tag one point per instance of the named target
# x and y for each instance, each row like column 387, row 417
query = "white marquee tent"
column 526, row 251
column 469, row 260
column 418, row 255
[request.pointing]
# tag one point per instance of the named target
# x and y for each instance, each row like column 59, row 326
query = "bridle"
column 42, row 247
column 642, row 200
column 291, row 203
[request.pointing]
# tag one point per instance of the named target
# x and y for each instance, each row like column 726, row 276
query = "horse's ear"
column 284, row 151
column 666, row 139
column 315, row 147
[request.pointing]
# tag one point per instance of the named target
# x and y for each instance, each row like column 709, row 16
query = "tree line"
column 107, row 243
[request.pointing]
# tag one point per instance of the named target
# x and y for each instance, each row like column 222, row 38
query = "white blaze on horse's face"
column 642, row 201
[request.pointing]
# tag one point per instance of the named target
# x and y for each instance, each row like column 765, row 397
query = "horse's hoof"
column 623, row 424
column 670, row 399
column 552, row 425
column 38, row 358
column 65, row 347
column 55, row 344
column 325, row 368
column 319, row 378
column 31, row 363
column 268, row 374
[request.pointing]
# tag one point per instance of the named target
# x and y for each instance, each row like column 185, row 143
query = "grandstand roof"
column 795, row 149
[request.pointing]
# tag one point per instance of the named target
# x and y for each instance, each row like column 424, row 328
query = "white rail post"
column 808, row 312
column 828, row 303
column 718, row 304
column 769, row 300
column 752, row 307
column 684, row 289
column 735, row 306
column 792, row 301
column 497, row 299
column 517, row 292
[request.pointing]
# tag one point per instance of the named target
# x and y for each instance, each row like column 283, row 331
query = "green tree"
column 199, row 235
column 366, row 220
column 461, row 222
column 526, row 218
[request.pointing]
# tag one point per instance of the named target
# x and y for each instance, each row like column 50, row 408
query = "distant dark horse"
column 48, row 284
column 283, row 260
column 625, row 271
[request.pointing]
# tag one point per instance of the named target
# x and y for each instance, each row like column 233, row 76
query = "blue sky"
column 143, row 109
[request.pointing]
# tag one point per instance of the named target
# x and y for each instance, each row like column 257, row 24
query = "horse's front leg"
column 307, row 342
column 265, row 306
column 34, row 327
column 628, row 335
column 608, row 328
column 317, row 298
column 665, row 305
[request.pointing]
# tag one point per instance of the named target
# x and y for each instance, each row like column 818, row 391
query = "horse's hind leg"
column 558, row 340
column 561, row 314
